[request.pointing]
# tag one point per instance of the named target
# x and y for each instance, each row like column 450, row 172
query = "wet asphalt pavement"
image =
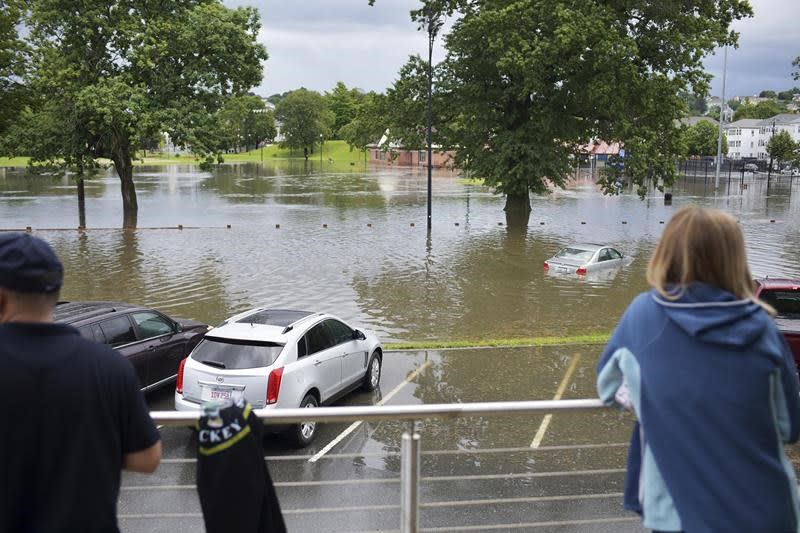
column 478, row 474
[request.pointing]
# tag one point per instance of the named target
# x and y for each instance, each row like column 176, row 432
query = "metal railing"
column 410, row 441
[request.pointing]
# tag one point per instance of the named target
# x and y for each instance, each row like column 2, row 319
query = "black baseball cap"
column 28, row 264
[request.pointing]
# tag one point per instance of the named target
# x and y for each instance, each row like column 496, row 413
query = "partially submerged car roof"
column 779, row 283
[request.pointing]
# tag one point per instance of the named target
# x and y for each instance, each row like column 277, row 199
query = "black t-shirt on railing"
column 70, row 409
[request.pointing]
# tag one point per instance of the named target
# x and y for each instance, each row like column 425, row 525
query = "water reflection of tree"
column 32, row 185
column 113, row 266
column 294, row 185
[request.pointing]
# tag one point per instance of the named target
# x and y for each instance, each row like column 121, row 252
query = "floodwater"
column 354, row 243
column 374, row 263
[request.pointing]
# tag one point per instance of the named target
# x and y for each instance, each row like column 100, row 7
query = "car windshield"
column 233, row 354
column 785, row 303
column 575, row 253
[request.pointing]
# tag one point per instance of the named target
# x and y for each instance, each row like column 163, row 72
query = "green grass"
column 592, row 338
column 338, row 151
column 13, row 161
column 471, row 181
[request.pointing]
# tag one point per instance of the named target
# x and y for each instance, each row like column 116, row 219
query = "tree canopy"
column 343, row 102
column 245, row 122
column 105, row 76
column 762, row 110
column 305, row 119
column 526, row 84
column 788, row 94
column 695, row 103
column 369, row 123
column 701, row 139
column 781, row 147
column 13, row 55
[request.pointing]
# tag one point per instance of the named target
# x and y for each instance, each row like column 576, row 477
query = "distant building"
column 788, row 122
column 743, row 138
column 599, row 150
column 404, row 157
column 748, row 137
column 386, row 153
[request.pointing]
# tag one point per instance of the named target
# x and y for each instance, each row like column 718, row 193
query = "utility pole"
column 431, row 37
column 721, row 119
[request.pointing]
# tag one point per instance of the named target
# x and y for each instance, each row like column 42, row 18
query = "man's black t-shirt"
column 70, row 409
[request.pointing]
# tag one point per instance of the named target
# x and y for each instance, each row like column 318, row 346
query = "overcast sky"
column 315, row 43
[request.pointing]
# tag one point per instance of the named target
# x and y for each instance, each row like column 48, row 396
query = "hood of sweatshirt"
column 714, row 315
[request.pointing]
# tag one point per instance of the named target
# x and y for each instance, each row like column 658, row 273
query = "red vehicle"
column 784, row 296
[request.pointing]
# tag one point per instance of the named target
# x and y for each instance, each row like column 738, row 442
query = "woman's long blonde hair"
column 701, row 245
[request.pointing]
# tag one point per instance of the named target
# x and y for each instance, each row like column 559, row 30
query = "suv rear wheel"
column 304, row 432
column 373, row 376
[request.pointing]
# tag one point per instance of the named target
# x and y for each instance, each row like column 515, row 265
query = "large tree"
column 701, row 139
column 305, row 119
column 369, row 123
column 344, row 103
column 528, row 83
column 245, row 122
column 107, row 75
column 12, row 63
column 781, row 148
column 406, row 105
column 696, row 104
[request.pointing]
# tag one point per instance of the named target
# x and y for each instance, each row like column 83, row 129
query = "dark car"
column 154, row 343
column 784, row 296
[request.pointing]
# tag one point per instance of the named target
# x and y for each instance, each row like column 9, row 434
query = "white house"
column 743, row 138
column 768, row 127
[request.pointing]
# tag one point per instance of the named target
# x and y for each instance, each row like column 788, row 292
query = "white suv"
column 279, row 358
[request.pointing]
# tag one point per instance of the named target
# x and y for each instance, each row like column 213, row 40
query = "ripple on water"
column 475, row 280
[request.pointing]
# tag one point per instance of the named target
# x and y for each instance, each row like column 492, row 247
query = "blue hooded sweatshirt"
column 715, row 391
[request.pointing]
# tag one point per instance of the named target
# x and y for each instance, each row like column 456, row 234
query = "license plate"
column 219, row 393
column 563, row 269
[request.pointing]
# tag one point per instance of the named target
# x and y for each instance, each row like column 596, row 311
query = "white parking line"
column 411, row 377
column 537, row 440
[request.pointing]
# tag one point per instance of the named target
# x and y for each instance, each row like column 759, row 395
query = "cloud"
column 768, row 42
column 315, row 43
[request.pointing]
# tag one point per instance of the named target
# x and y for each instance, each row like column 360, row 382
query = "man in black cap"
column 71, row 411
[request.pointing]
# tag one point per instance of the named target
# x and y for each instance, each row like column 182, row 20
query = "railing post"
column 409, row 482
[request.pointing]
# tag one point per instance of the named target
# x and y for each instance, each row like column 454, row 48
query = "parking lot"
column 550, row 473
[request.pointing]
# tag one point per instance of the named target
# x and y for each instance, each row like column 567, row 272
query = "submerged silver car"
column 584, row 258
column 277, row 358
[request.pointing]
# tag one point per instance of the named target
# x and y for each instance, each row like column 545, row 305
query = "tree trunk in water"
column 518, row 211
column 130, row 207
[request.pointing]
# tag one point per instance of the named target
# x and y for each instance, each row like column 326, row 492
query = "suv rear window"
column 231, row 354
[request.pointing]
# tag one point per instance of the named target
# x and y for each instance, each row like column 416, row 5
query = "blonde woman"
column 713, row 385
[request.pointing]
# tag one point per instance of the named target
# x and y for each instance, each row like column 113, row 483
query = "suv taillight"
column 179, row 383
column 581, row 271
column 274, row 385
column 546, row 265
